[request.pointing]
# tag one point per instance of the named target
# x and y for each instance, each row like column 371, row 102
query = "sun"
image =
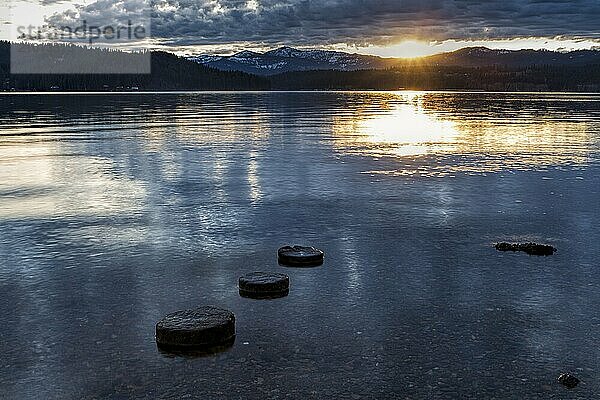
column 404, row 49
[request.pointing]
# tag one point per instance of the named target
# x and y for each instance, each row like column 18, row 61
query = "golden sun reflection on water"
column 403, row 131
column 409, row 132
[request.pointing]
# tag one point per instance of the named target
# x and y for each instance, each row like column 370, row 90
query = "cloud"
column 103, row 12
column 51, row 2
column 361, row 22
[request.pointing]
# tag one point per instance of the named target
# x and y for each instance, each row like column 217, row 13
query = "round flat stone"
column 264, row 285
column 302, row 256
column 203, row 327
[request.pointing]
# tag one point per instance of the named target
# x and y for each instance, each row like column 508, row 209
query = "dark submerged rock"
column 204, row 329
column 568, row 380
column 300, row 256
column 264, row 285
column 529, row 248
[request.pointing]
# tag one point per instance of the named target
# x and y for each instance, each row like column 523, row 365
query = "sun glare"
column 404, row 49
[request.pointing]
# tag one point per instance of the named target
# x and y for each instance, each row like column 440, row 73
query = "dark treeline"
column 169, row 72
column 494, row 78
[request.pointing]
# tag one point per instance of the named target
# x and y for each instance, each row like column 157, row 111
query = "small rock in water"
column 300, row 256
column 206, row 328
column 264, row 285
column 529, row 248
column 568, row 380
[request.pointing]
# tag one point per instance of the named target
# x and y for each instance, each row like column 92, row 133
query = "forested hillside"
column 168, row 72
column 535, row 78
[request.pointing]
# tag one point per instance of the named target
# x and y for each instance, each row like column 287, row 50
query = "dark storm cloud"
column 360, row 21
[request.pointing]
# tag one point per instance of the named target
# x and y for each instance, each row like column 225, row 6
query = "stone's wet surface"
column 116, row 210
column 568, row 380
column 203, row 328
column 300, row 256
column 529, row 248
column 264, row 285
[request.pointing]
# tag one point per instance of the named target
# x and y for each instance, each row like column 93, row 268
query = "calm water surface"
column 117, row 209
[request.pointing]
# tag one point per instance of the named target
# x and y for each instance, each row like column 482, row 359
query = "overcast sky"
column 384, row 27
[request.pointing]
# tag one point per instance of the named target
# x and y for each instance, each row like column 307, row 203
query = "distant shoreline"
column 146, row 92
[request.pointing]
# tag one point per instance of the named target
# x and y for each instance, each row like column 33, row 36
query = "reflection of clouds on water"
column 355, row 268
column 53, row 180
column 254, row 176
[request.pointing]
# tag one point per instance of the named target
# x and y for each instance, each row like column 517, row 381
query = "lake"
column 116, row 209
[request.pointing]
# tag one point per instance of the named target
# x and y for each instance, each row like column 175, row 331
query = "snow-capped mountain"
column 287, row 59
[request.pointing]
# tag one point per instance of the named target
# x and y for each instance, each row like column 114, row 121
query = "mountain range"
column 288, row 59
column 467, row 69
